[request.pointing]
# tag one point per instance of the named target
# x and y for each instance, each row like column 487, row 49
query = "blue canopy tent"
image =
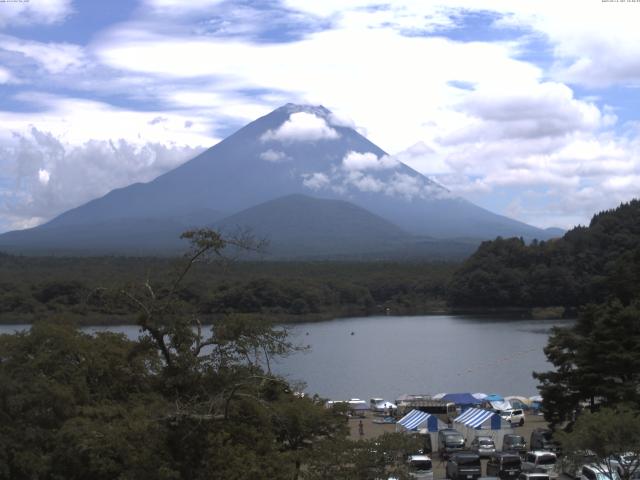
column 494, row 397
column 488, row 422
column 496, row 402
column 463, row 400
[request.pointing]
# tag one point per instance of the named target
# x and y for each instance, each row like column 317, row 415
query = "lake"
column 388, row 356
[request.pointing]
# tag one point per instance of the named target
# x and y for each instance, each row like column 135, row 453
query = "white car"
column 598, row 472
column 420, row 466
column 541, row 461
column 514, row 417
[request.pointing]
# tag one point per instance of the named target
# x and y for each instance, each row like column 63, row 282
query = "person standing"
column 360, row 428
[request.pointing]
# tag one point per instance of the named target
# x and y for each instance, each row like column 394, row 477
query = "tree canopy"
column 181, row 402
column 588, row 264
column 597, row 362
column 607, row 434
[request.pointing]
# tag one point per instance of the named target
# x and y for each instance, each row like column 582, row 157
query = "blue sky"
column 530, row 109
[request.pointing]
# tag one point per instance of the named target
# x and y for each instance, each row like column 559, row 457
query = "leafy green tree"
column 178, row 403
column 607, row 434
column 588, row 264
column 597, row 362
column 382, row 457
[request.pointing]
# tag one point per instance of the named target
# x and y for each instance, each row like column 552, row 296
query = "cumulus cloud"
column 274, row 156
column 405, row 185
column 527, row 111
column 301, row 127
column 391, row 183
column 316, row 180
column 355, row 161
column 364, row 183
column 430, row 161
column 52, row 176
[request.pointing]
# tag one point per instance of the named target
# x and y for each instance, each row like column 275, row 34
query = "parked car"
column 541, row 439
column 533, row 476
column 625, row 462
column 450, row 441
column 514, row 443
column 514, row 417
column 420, row 466
column 541, row 461
column 483, row 445
column 572, row 463
column 463, row 466
column 598, row 472
column 505, row 465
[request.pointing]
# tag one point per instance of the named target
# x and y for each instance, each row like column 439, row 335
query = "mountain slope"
column 299, row 225
column 293, row 150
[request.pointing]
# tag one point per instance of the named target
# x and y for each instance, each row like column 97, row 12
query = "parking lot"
column 372, row 430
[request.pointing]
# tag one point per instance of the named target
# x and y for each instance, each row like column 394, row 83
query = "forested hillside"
column 89, row 289
column 588, row 264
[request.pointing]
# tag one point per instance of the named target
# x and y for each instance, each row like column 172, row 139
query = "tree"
column 178, row 403
column 597, row 362
column 382, row 457
column 608, row 434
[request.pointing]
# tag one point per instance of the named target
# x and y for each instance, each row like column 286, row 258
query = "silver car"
column 483, row 445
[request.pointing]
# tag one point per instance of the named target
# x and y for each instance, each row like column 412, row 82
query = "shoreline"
column 102, row 320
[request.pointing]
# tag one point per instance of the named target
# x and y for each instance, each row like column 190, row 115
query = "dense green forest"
column 589, row 264
column 88, row 290
column 180, row 402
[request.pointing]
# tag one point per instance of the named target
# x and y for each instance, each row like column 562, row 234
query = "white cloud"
column 514, row 126
column 364, row 183
column 354, row 161
column 55, row 58
column 179, row 7
column 431, row 163
column 5, row 75
column 53, row 176
column 76, row 120
column 45, row 12
column 301, row 127
column 405, row 185
column 275, row 156
column 526, row 111
column 315, row 181
column 43, row 176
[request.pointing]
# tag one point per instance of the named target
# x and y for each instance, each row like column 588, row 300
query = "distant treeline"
column 89, row 289
column 588, row 265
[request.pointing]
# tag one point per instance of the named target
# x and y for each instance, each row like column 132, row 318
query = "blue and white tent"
column 478, row 418
column 417, row 420
column 489, row 423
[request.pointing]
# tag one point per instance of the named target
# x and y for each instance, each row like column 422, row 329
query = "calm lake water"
column 389, row 356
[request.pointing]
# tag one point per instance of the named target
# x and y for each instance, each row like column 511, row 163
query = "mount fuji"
column 300, row 176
